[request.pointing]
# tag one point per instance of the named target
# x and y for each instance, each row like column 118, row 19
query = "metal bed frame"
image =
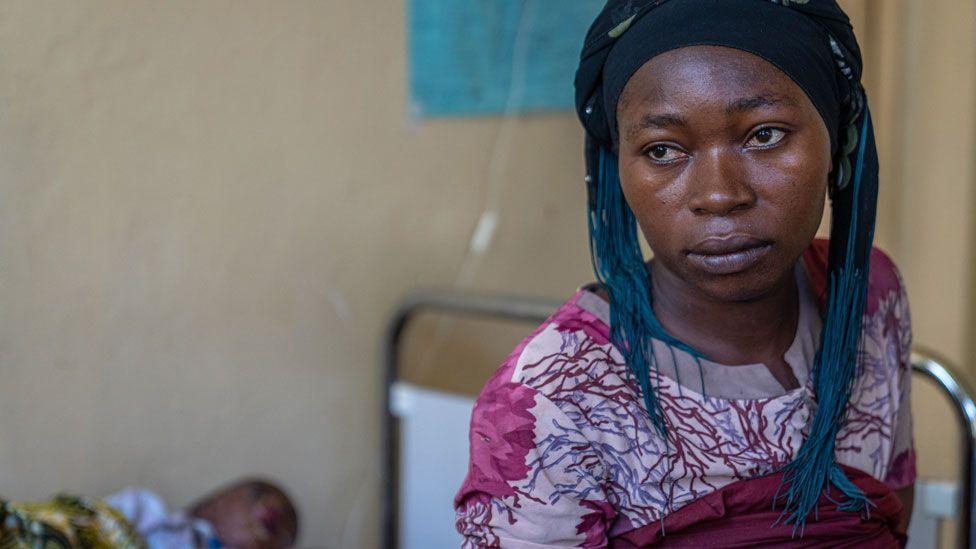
column 534, row 310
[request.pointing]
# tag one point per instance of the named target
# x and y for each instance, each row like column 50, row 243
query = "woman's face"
column 724, row 161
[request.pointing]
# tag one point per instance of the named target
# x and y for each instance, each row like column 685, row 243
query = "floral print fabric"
column 563, row 454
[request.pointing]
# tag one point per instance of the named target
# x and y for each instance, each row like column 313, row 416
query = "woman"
column 750, row 384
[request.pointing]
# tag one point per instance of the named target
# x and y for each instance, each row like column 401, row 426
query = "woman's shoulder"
column 576, row 335
column 884, row 280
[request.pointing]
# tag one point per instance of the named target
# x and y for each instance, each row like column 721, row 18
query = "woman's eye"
column 663, row 154
column 765, row 137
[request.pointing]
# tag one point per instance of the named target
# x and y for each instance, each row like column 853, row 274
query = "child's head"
column 250, row 514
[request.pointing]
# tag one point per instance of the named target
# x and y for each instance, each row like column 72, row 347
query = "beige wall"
column 207, row 210
column 924, row 77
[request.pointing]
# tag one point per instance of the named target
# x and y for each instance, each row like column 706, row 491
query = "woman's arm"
column 902, row 472
column 533, row 480
column 907, row 497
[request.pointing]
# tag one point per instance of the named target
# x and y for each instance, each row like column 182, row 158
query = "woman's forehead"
column 707, row 71
column 721, row 81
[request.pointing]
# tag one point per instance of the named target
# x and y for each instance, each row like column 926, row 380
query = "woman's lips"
column 729, row 254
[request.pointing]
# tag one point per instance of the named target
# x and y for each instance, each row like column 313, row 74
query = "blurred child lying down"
column 248, row 514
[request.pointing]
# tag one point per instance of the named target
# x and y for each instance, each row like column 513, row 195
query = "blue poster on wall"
column 485, row 57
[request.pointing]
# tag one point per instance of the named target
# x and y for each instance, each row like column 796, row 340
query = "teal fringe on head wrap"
column 619, row 265
column 814, row 469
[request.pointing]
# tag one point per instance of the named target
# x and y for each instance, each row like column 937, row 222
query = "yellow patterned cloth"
column 65, row 522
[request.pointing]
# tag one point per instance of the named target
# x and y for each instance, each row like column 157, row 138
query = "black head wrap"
column 812, row 42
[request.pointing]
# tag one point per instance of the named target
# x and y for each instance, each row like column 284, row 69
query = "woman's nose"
column 719, row 185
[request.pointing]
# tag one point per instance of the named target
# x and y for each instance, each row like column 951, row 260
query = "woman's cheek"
column 659, row 233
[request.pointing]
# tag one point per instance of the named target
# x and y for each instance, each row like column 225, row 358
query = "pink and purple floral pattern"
column 563, row 454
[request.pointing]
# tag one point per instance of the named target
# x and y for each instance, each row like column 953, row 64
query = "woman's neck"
column 760, row 330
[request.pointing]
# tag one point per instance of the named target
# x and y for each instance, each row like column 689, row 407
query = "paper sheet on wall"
column 484, row 57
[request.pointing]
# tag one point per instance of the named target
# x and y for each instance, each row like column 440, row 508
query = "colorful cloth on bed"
column 65, row 522
column 563, row 453
column 160, row 527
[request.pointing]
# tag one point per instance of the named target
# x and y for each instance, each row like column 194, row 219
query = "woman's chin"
column 739, row 287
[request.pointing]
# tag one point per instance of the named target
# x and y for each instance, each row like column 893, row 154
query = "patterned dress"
column 563, row 453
